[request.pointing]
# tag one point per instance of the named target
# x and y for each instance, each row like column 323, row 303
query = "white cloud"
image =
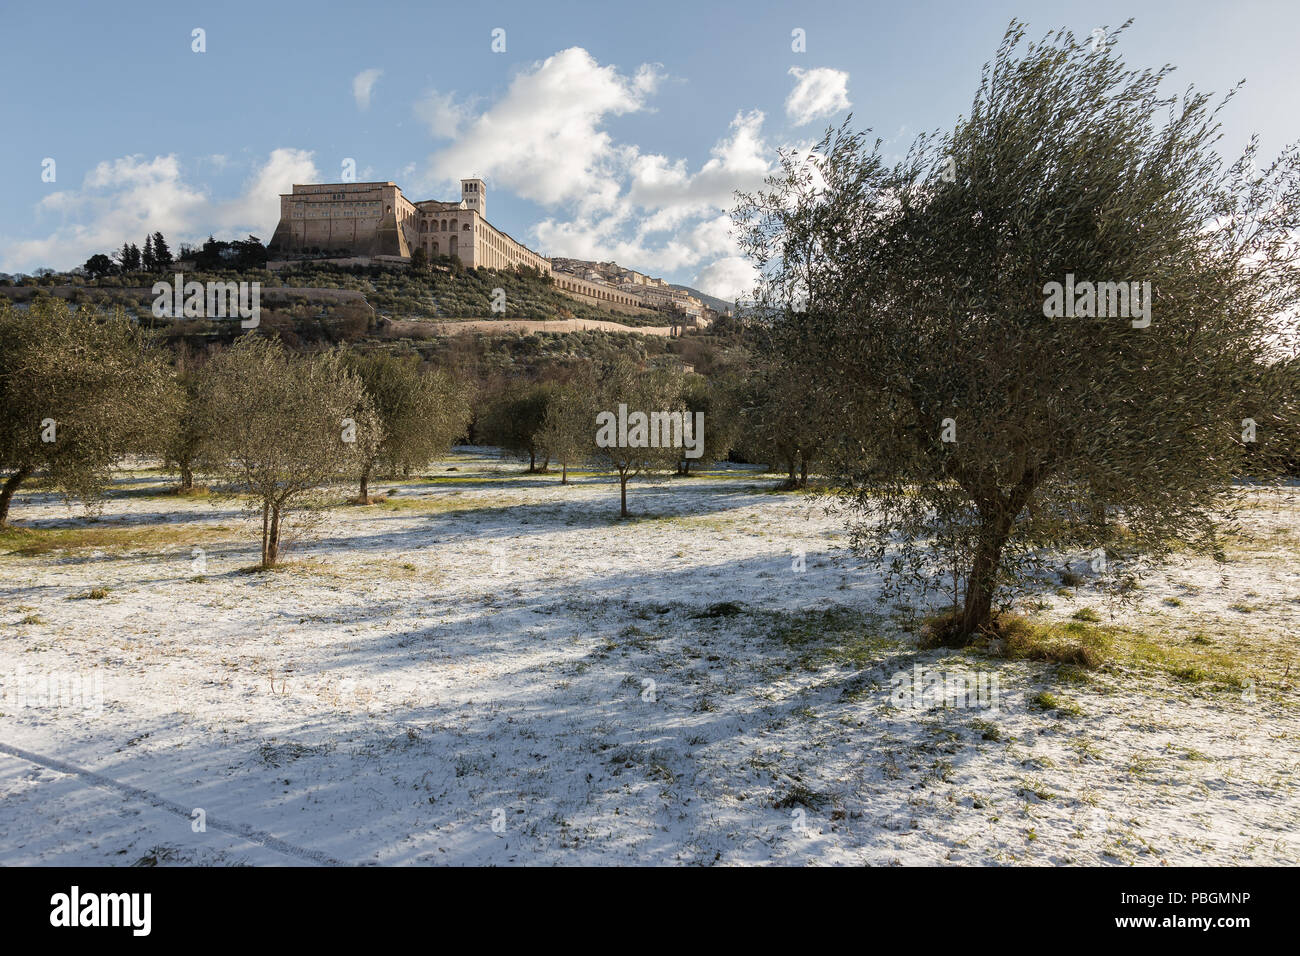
column 817, row 93
column 259, row 204
column 665, row 217
column 122, row 200
column 543, row 140
column 363, row 85
column 731, row 278
column 740, row 161
column 441, row 113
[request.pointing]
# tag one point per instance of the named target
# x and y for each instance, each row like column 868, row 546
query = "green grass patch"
column 38, row 541
column 197, row 491
column 801, row 796
column 160, row 491
column 1075, row 643
column 447, row 503
column 1085, row 646
column 494, row 479
column 1186, row 659
column 1046, row 700
column 987, row 730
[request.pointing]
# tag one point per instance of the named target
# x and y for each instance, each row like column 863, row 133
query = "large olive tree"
column 78, row 392
column 986, row 428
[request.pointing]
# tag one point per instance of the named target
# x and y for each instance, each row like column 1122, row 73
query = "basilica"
column 375, row 221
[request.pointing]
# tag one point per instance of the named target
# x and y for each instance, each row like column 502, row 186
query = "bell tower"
column 473, row 193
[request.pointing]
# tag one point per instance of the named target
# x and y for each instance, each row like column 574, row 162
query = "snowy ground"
column 489, row 668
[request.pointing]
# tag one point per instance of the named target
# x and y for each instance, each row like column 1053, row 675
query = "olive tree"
column 715, row 400
column 628, row 395
column 782, row 421
column 513, row 419
column 1035, row 332
column 284, row 426
column 569, row 426
column 78, row 391
column 190, row 428
column 420, row 413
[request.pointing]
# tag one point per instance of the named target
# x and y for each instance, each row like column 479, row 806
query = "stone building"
column 375, row 221
column 613, row 282
column 663, row 296
column 596, row 292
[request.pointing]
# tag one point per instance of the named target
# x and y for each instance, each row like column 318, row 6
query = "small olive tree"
column 567, row 429
column 421, row 413
column 78, row 391
column 626, row 390
column 190, row 428
column 513, row 418
column 285, row 425
column 716, row 400
column 782, row 421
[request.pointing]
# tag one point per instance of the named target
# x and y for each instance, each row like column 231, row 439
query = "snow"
column 490, row 668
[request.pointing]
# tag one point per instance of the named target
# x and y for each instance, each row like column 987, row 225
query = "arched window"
column 435, row 247
column 451, row 246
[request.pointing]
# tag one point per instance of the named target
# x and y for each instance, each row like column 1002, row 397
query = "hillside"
column 443, row 294
column 449, row 294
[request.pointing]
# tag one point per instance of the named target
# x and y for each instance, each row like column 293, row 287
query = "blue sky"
column 605, row 130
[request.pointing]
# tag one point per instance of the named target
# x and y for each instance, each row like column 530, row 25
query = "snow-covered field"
column 489, row 668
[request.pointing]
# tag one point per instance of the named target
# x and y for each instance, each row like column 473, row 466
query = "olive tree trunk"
column 7, row 492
